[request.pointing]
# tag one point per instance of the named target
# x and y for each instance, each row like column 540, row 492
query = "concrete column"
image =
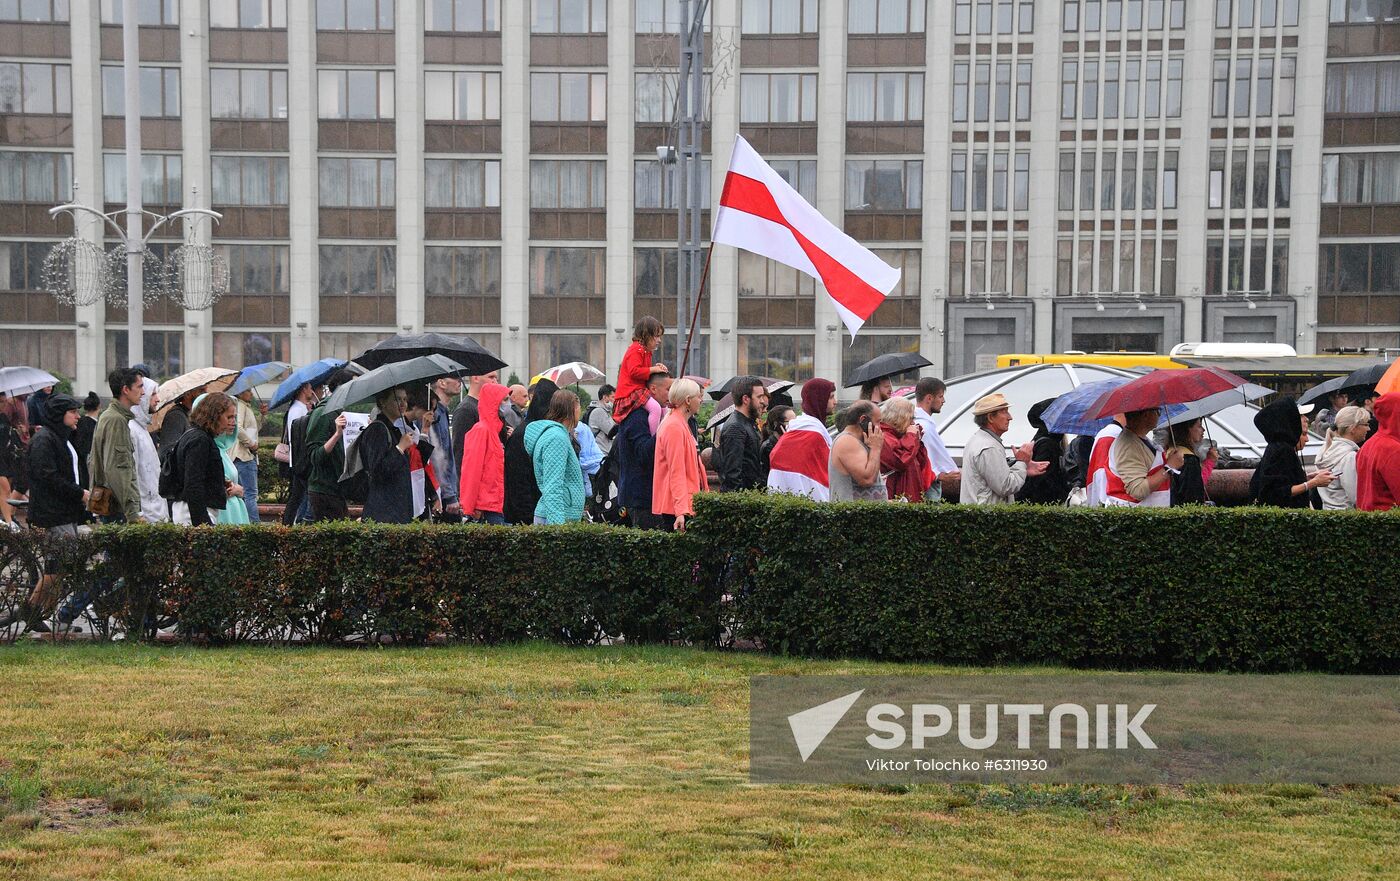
column 621, row 85
column 194, row 138
column 515, row 186
column 831, row 168
column 408, row 170
column 303, row 194
column 1045, row 159
column 91, row 364
column 1193, row 181
column 938, row 120
column 724, row 125
column 1306, row 198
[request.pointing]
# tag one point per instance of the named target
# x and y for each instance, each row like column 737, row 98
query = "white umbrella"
column 208, row 379
column 569, row 374
column 25, row 380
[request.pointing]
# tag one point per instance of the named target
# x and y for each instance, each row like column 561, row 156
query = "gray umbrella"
column 1366, row 377
column 421, row 370
column 1323, row 389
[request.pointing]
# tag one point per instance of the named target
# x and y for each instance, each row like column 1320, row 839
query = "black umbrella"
column 773, row 386
column 1322, row 390
column 420, row 370
column 889, row 364
column 1366, row 377
column 474, row 358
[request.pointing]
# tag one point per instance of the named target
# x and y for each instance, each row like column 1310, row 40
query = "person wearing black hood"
column 1052, row 487
column 1280, row 480
column 57, row 500
column 522, row 492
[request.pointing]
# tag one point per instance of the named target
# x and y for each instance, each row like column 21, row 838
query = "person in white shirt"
column 929, row 394
column 154, row 509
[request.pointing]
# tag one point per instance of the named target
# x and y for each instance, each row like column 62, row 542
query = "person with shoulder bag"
column 115, row 496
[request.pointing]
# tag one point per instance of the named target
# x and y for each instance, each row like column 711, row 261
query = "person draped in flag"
column 637, row 368
column 1138, row 472
column 799, row 462
column 1096, row 480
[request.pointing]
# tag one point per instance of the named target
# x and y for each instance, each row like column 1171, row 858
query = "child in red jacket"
column 637, row 368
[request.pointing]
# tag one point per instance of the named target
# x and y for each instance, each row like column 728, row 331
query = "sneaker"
column 13, row 526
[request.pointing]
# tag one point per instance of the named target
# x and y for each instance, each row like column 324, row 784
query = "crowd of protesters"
column 517, row 455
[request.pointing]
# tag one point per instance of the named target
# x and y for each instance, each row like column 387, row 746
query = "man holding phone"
column 987, row 478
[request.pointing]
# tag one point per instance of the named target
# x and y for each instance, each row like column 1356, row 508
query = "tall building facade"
column 1047, row 174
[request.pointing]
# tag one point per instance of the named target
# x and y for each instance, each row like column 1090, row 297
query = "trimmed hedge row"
column 324, row 583
column 1203, row 588
column 1195, row 588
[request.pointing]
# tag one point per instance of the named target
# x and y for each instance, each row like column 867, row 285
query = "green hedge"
column 1241, row 589
column 575, row 584
column 1194, row 588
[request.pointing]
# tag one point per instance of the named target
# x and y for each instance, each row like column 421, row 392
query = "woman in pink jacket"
column 677, row 475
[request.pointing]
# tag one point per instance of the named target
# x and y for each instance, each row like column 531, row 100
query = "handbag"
column 100, row 501
column 283, row 454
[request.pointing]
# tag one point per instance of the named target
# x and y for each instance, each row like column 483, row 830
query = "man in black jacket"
column 57, row 500
column 740, row 446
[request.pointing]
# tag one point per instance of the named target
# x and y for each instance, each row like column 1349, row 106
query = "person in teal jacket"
column 553, row 452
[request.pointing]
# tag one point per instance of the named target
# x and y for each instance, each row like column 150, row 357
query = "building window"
column 567, row 272
column 655, row 185
column 548, row 349
column 568, row 16
column 1115, row 15
column 778, row 97
column 1069, row 89
column 761, row 277
column 160, row 179
column 257, row 269
column 909, row 262
column 247, row 93
column 957, row 184
column 357, row 269
column 1266, row 13
column 462, row 183
column 885, row 17
column 249, row 180
column 884, row 184
column 35, row 88
column 801, row 175
column 461, row 271
column 655, row 97
column 1344, row 12
column 993, row 16
column 781, row 356
column 960, row 83
column 36, row 177
column 568, row 97
column 1369, row 87
column 164, row 350
column 160, row 91
column 355, row 15
column 34, row 10
column 779, row 17
column 1272, row 90
column 248, row 14
column 22, row 264
column 1359, row 268
column 655, row 273
column 886, row 97
column 462, row 96
column 663, row 16
column 1361, row 178
column 255, row 347
column 150, row 12
column 355, row 94
column 568, row 183
column 462, row 16
column 1066, row 182
column 356, row 183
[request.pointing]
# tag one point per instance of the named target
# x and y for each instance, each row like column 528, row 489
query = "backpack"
column 301, row 462
column 172, row 480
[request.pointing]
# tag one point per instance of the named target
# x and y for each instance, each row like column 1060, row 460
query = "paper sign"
column 354, row 424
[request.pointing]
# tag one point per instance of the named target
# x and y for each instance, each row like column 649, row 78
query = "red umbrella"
column 1162, row 387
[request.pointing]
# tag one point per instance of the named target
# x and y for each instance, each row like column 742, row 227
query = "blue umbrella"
column 313, row 373
column 1069, row 413
column 256, row 375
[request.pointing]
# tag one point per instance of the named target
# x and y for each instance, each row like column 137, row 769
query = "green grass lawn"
column 543, row 762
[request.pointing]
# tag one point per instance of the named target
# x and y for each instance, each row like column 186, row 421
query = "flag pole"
column 695, row 313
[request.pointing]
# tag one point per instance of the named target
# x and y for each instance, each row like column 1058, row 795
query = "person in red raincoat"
column 904, row 458
column 481, row 489
column 1378, row 463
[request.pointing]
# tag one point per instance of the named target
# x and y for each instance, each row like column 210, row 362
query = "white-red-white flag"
column 759, row 212
column 800, row 460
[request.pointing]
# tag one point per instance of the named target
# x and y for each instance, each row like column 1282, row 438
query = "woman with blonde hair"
column 676, row 474
column 903, row 458
column 1349, row 428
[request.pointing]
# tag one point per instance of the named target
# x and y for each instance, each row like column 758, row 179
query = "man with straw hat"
column 987, row 477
